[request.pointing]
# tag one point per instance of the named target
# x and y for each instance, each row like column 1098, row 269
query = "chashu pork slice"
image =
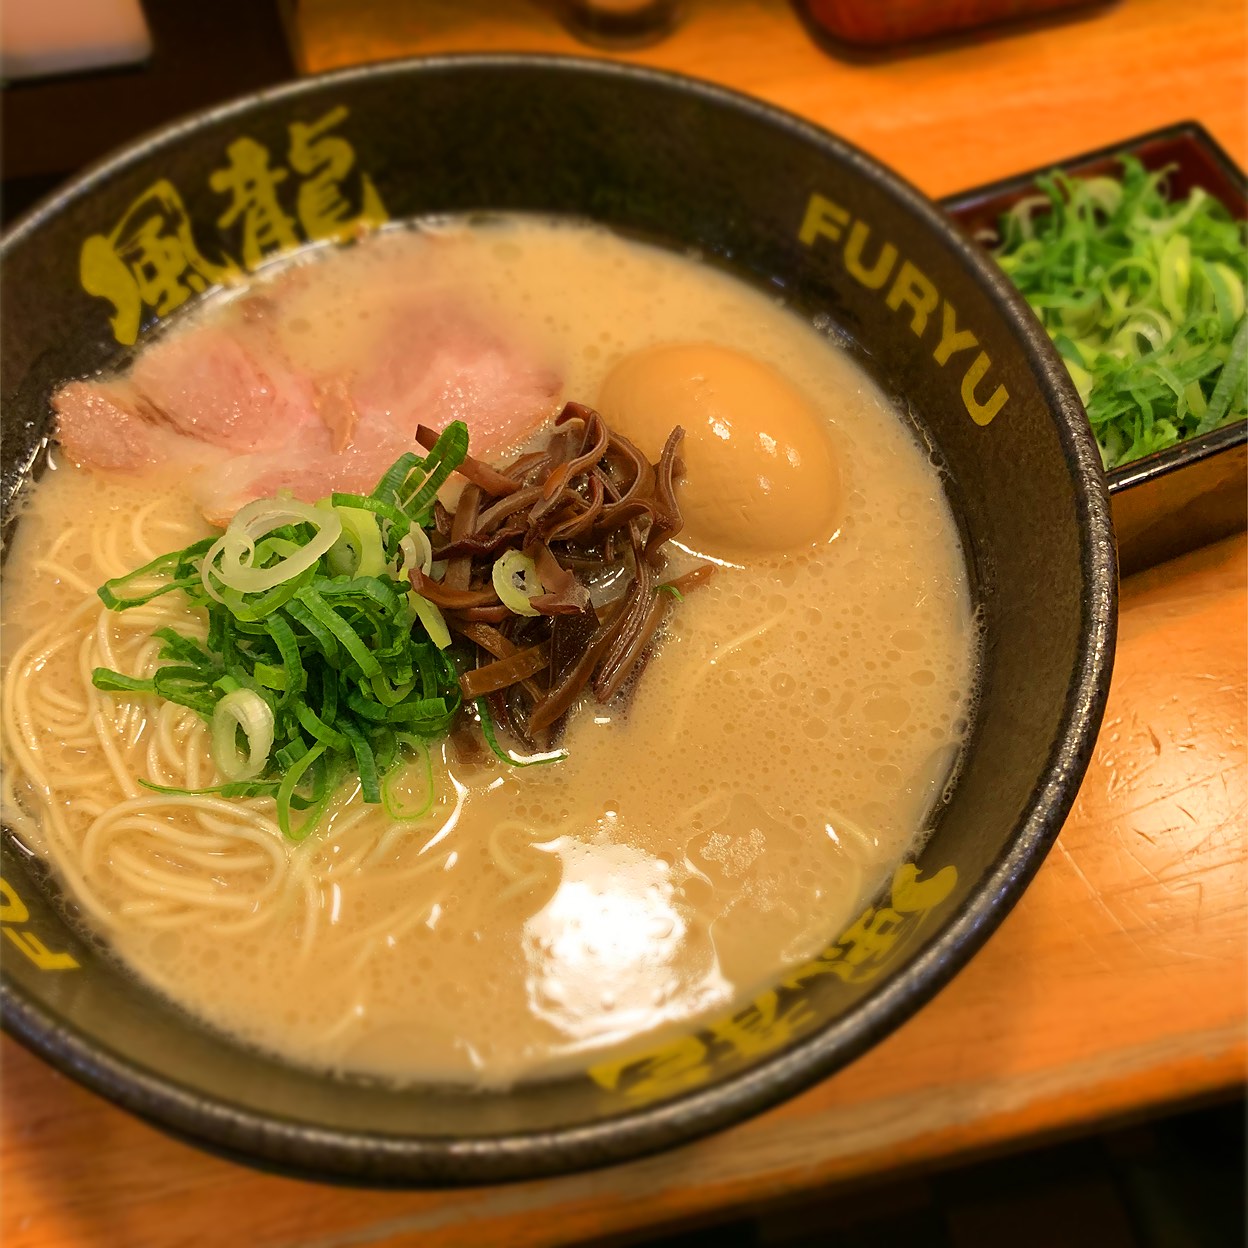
column 230, row 405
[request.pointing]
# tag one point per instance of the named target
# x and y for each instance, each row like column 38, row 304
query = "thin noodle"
column 429, row 937
column 63, row 574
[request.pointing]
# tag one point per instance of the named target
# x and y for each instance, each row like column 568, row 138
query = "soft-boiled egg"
column 761, row 474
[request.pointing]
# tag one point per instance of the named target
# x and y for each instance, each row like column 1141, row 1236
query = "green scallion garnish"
column 1143, row 296
column 320, row 660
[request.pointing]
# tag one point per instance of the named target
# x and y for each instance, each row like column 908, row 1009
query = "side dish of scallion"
column 320, row 659
column 1143, row 296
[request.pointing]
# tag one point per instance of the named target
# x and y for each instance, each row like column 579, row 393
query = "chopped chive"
column 491, row 739
column 351, row 683
column 447, row 455
column 1143, row 296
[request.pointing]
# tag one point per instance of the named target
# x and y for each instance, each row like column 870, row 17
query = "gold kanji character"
column 881, row 933
column 911, row 895
column 859, row 952
column 869, row 941
column 252, row 187
column 325, row 161
column 662, row 1073
column 761, row 1026
column 150, row 260
column 830, row 962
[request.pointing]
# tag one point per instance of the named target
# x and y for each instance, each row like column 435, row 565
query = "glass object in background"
column 880, row 23
column 619, row 23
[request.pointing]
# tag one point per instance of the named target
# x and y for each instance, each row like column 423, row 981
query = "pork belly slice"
column 195, row 390
column 110, row 426
column 226, row 386
column 432, row 364
column 226, row 397
column 222, row 488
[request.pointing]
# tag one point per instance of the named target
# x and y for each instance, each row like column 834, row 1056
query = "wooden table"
column 1117, row 985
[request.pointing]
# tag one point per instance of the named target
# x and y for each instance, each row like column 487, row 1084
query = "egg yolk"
column 761, row 473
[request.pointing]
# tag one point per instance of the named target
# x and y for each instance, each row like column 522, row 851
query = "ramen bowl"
column 775, row 200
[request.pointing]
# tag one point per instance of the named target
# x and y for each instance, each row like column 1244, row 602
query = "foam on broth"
column 778, row 759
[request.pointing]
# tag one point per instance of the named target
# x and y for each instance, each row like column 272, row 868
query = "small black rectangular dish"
column 1196, row 492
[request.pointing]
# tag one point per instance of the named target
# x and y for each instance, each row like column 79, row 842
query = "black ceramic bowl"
column 786, row 206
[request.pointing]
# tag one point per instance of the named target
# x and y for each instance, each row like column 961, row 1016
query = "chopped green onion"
column 365, row 761
column 447, row 455
column 286, row 793
column 428, row 614
column 245, row 710
column 416, row 550
column 231, row 561
column 491, row 739
column 317, row 728
column 390, row 800
column 314, row 664
column 1144, row 297
column 116, row 682
column 235, row 788
column 516, row 581
column 398, row 472
column 179, row 563
column 358, row 550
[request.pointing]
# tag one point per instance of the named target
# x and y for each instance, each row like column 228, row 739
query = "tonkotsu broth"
column 779, row 758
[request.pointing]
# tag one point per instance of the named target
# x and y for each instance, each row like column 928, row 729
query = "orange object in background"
column 879, row 23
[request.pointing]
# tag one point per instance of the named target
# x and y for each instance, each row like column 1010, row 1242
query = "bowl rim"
column 382, row 1158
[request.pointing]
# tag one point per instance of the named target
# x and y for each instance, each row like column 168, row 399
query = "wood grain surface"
column 1118, row 984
